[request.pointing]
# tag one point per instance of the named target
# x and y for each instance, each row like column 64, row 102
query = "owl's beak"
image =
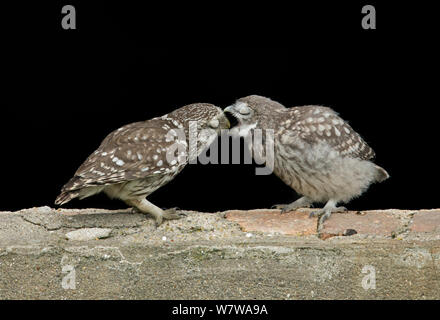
column 225, row 122
column 228, row 109
column 230, row 115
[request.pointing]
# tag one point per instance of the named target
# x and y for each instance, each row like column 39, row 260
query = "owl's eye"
column 244, row 110
column 213, row 123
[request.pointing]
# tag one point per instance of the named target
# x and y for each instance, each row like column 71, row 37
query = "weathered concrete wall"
column 249, row 255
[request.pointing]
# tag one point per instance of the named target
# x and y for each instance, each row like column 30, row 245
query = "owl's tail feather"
column 381, row 174
column 65, row 197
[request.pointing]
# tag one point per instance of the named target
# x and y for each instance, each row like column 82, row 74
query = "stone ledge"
column 256, row 254
column 390, row 223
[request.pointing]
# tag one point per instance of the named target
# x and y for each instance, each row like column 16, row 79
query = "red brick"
column 368, row 222
column 270, row 220
column 426, row 221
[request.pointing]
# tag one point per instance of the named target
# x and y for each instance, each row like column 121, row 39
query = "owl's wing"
column 316, row 124
column 134, row 151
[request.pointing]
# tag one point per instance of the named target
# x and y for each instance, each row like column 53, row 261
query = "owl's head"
column 201, row 121
column 206, row 116
column 247, row 112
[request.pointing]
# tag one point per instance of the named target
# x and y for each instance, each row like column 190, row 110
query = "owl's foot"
column 326, row 212
column 147, row 207
column 302, row 202
column 172, row 214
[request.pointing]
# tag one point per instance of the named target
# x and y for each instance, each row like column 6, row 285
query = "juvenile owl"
column 137, row 159
column 315, row 152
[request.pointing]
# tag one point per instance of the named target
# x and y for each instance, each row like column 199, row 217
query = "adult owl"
column 137, row 159
column 315, row 152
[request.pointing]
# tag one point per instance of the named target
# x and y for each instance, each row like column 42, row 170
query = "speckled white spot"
column 159, row 163
column 120, row 162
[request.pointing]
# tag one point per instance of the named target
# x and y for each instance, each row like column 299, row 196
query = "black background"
column 65, row 90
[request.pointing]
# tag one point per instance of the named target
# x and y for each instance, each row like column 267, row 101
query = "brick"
column 426, row 221
column 368, row 222
column 295, row 223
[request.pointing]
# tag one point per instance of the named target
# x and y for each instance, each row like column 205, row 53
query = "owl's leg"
column 302, row 202
column 328, row 209
column 146, row 206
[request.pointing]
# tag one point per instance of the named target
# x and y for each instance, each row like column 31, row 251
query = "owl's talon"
column 288, row 208
column 326, row 212
column 325, row 216
column 284, row 210
column 315, row 213
column 172, row 214
column 302, row 202
column 158, row 221
column 282, row 207
column 173, row 208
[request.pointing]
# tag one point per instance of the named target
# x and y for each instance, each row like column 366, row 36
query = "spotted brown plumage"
column 316, row 152
column 137, row 159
